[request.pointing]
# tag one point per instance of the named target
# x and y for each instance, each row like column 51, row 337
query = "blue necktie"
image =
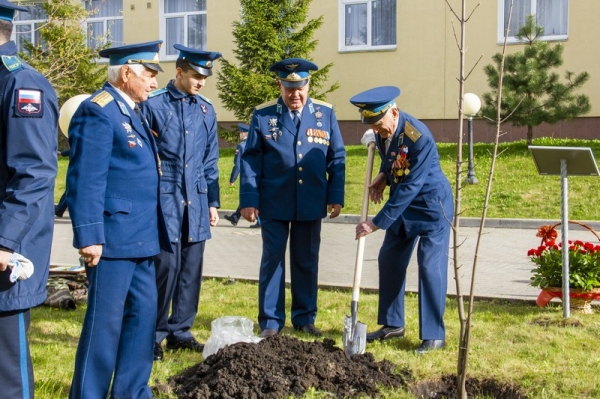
column 296, row 119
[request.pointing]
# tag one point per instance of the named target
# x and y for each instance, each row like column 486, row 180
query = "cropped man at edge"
column 28, row 148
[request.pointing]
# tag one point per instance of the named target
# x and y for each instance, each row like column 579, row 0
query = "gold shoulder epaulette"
column 102, row 98
column 204, row 98
column 267, row 104
column 323, row 103
column 411, row 132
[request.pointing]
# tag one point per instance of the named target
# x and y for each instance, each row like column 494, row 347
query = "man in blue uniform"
column 420, row 208
column 185, row 125
column 292, row 174
column 112, row 196
column 235, row 217
column 28, row 148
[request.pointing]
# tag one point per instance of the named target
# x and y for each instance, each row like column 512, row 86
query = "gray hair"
column 114, row 71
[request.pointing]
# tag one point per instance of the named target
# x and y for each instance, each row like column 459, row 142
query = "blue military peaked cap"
column 7, row 10
column 201, row 61
column 374, row 103
column 293, row 72
column 243, row 127
column 138, row 53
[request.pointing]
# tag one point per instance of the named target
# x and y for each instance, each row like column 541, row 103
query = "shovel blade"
column 355, row 337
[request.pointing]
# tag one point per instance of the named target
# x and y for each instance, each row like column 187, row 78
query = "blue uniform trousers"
column 178, row 280
column 432, row 258
column 16, row 370
column 117, row 338
column 305, row 240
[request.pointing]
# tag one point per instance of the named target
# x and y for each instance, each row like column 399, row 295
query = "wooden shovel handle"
column 363, row 217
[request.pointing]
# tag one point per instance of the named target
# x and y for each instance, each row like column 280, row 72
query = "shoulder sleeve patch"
column 102, row 98
column 12, row 62
column 157, row 92
column 267, row 104
column 411, row 132
column 204, row 98
column 322, row 103
column 29, row 103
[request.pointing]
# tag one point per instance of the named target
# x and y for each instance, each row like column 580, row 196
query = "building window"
column 105, row 24
column 27, row 25
column 183, row 22
column 552, row 15
column 367, row 25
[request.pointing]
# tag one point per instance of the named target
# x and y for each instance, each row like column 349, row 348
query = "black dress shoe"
column 385, row 333
column 430, row 345
column 255, row 226
column 231, row 219
column 158, row 352
column 268, row 332
column 309, row 329
column 186, row 344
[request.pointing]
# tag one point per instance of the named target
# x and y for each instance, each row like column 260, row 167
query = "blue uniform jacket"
column 237, row 159
column 113, row 179
column 186, row 130
column 28, row 148
column 421, row 200
column 289, row 175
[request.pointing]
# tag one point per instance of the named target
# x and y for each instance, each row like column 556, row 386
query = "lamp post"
column 471, row 106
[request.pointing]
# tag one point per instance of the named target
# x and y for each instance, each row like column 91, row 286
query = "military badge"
column 273, row 122
column 127, row 127
column 203, row 108
column 131, row 143
column 29, row 103
column 140, row 142
column 401, row 164
column 318, row 114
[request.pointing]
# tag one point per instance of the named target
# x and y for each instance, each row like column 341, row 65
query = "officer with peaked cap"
column 292, row 175
column 185, row 125
column 28, row 143
column 112, row 196
column 419, row 211
column 235, row 171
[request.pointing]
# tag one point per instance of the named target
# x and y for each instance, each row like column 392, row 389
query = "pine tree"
column 532, row 93
column 62, row 54
column 268, row 31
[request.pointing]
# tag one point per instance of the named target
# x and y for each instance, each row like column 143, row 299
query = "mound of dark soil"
column 282, row 366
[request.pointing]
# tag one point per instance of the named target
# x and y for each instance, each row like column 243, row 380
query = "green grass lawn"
column 518, row 191
column 512, row 342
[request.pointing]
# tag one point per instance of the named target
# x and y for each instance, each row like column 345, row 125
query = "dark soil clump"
column 447, row 387
column 282, row 366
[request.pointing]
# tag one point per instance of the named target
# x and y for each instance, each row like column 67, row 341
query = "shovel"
column 355, row 332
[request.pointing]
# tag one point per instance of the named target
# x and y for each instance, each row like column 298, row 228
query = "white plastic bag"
column 228, row 330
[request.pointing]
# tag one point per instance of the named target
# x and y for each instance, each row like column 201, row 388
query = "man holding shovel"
column 419, row 209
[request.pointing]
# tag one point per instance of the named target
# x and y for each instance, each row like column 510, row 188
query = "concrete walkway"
column 503, row 268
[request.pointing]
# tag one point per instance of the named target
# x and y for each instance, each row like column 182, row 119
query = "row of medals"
column 319, row 140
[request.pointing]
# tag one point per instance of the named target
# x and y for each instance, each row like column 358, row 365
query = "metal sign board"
column 580, row 160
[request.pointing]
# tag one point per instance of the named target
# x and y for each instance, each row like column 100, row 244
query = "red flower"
column 548, row 233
